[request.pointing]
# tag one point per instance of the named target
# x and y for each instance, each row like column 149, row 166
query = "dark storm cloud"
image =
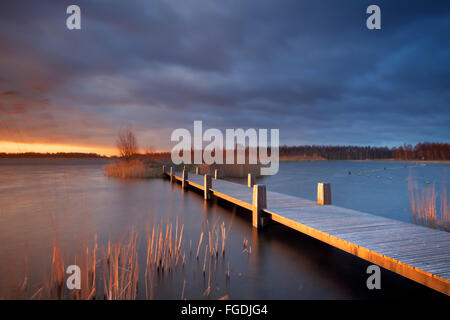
column 310, row 68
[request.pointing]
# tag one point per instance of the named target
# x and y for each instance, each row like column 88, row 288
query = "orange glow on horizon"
column 20, row 147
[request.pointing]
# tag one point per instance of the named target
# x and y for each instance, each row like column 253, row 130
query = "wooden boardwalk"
column 418, row 253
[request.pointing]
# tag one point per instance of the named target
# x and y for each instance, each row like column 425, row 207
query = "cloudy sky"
column 310, row 68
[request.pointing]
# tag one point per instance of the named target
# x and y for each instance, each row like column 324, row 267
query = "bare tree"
column 127, row 144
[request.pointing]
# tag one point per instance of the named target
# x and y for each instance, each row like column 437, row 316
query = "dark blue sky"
column 310, row 68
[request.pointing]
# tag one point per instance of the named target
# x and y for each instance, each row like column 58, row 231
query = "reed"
column 199, row 244
column 211, row 249
column 428, row 207
column 224, row 237
column 112, row 272
column 182, row 292
column 132, row 169
column 204, row 261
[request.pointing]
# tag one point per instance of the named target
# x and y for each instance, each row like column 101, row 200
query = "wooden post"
column 184, row 179
column 171, row 174
column 251, row 180
column 196, row 171
column 208, row 186
column 259, row 203
column 163, row 169
column 323, row 193
column 216, row 174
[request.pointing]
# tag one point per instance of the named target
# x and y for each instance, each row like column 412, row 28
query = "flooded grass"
column 132, row 169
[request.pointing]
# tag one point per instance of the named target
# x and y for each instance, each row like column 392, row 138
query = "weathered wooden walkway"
column 418, row 253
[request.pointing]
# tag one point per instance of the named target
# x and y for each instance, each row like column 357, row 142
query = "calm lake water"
column 71, row 201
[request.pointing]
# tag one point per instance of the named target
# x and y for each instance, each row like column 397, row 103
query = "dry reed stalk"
column 178, row 247
column 152, row 244
column 155, row 259
column 109, row 251
column 57, row 274
column 224, row 237
column 210, row 243
column 204, row 261
column 208, row 289
column 93, row 269
column 116, row 273
column 38, row 292
column 445, row 214
column 85, row 277
column 181, row 237
column 165, row 247
column 217, row 243
column 147, row 264
column 182, row 291
column 425, row 208
column 199, row 244
column 170, row 242
column 159, row 250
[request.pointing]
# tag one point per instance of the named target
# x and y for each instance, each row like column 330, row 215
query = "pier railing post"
column 196, row 171
column 171, row 174
column 251, row 180
column 216, row 174
column 259, row 204
column 323, row 193
column 184, row 179
column 208, row 186
column 163, row 170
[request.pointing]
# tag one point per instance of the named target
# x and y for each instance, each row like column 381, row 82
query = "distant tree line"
column 337, row 152
column 421, row 151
